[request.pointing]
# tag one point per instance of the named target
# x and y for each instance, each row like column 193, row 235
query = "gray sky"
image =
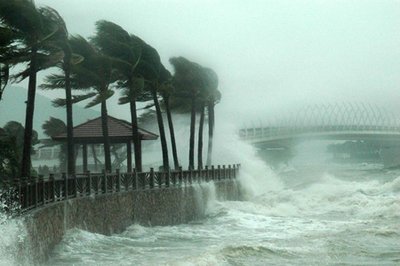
column 268, row 54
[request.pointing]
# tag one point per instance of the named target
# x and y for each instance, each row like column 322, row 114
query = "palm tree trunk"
column 30, row 107
column 171, row 132
column 104, row 124
column 68, row 97
column 211, row 122
column 192, row 132
column 200, row 141
column 137, row 147
column 164, row 147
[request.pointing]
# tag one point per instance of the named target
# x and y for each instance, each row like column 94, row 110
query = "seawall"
column 113, row 213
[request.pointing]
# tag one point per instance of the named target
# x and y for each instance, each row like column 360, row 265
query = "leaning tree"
column 33, row 29
column 212, row 97
column 188, row 82
column 151, row 69
column 94, row 75
column 63, row 81
column 126, row 50
column 7, row 47
column 166, row 90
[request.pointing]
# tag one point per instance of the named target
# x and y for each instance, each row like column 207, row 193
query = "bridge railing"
column 39, row 191
column 260, row 132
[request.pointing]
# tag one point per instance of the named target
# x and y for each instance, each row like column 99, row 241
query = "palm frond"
column 53, row 127
column 100, row 98
column 53, row 81
column 59, row 102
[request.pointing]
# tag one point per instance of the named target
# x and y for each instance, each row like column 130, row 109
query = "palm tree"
column 33, row 27
column 94, row 74
column 114, row 41
column 200, row 135
column 188, row 81
column 53, row 82
column 213, row 97
column 6, row 47
column 150, row 68
column 166, row 90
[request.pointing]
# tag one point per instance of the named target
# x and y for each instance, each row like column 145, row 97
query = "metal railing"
column 280, row 132
column 39, row 191
column 338, row 118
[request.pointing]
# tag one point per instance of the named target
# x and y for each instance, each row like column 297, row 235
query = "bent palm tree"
column 6, row 48
column 53, row 82
column 94, row 74
column 188, row 81
column 166, row 90
column 150, row 68
column 114, row 41
column 34, row 27
column 213, row 97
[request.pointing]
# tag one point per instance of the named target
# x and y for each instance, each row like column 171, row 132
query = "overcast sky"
column 268, row 54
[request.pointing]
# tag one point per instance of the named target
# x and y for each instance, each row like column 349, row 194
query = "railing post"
column 174, row 173
column 104, row 181
column 98, row 183
column 111, row 181
column 75, row 186
column 207, row 172
column 52, row 187
column 180, row 175
column 219, row 172
column 89, row 177
column 229, row 171
column 128, row 176
column 118, row 181
column 190, row 178
column 167, row 177
column 212, row 172
column 151, row 177
column 234, row 171
column 30, row 184
column 135, row 179
column 41, row 184
column 161, row 177
column 36, row 194
column 64, row 177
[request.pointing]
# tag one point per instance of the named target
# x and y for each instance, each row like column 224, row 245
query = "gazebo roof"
column 119, row 131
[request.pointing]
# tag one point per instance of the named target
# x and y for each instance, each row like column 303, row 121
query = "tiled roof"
column 118, row 130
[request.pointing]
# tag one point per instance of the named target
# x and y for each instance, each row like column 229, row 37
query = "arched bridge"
column 337, row 122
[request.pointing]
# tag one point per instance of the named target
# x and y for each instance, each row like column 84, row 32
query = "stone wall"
column 113, row 213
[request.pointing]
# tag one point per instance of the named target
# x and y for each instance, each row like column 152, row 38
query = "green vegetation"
column 11, row 148
column 37, row 37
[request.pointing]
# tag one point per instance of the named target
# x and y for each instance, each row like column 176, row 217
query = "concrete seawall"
column 113, row 213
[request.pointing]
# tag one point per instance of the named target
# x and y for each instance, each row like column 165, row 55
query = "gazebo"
column 119, row 131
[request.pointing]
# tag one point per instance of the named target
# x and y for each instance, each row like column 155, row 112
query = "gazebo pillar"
column 84, row 157
column 129, row 156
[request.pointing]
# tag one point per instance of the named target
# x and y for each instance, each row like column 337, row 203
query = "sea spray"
column 255, row 176
column 205, row 196
column 12, row 231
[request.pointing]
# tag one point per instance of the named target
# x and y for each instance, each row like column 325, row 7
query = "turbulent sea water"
column 346, row 214
column 327, row 214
